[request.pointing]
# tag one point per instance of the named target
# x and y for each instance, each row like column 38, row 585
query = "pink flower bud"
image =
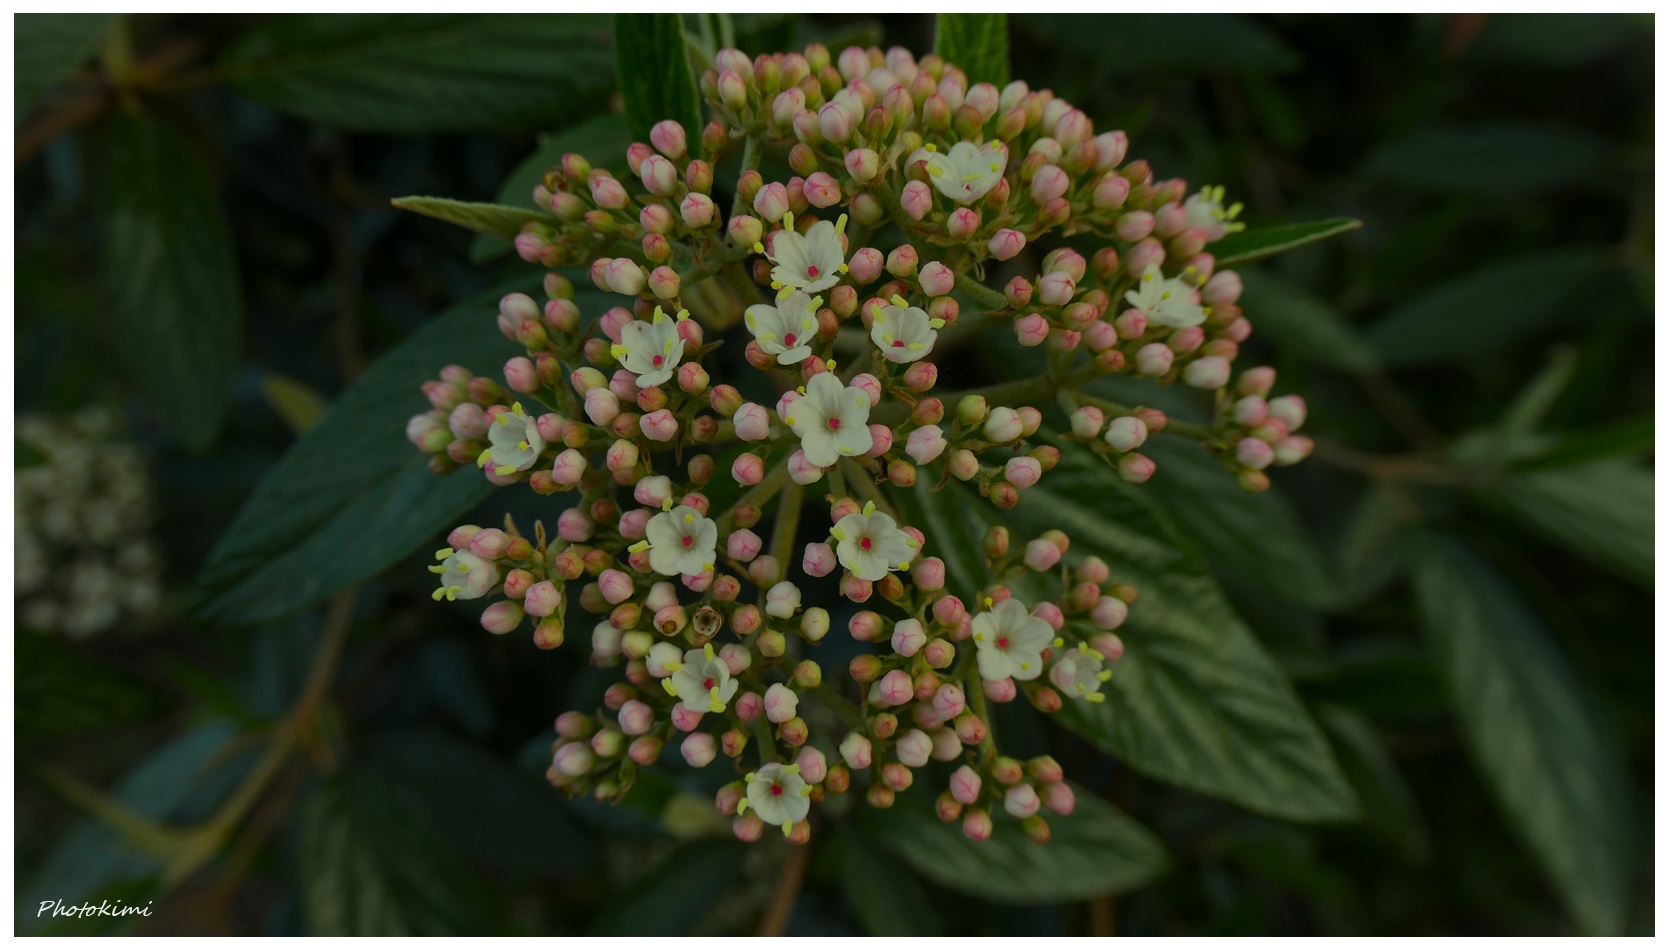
column 1049, row 182
column 772, row 202
column 976, row 825
column 1031, row 330
column 659, row 426
column 652, row 490
column 813, row 765
column 1289, row 409
column 608, row 193
column 1006, row 243
column 780, row 704
column 1023, row 471
column 835, row 122
column 929, row 574
column 1041, row 555
column 503, row 617
column 863, row 164
column 802, row 471
column 1207, row 373
column 1056, row 288
column 1126, row 433
column 743, row 545
column 880, row 440
column 925, row 444
column 685, row 719
column 1000, row 691
column 856, row 750
column 753, row 422
column 1003, row 425
column 908, row 637
column 821, row 190
column 616, row 585
column 1254, row 453
column 1021, row 801
column 936, row 279
column 569, row 467
column 915, row 748
column 573, row 759
column 1292, row 450
column 1154, row 359
column 1111, row 192
column 748, row 469
column 697, row 210
column 894, row 688
column 819, row 560
column 698, row 749
column 745, row 230
column 658, row 176
column 1135, row 468
column 636, row 718
column 543, row 599
column 749, row 706
column 916, row 199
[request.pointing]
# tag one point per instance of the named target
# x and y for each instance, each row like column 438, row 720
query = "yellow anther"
column 1060, row 642
column 936, row 323
column 443, row 554
column 481, row 460
column 759, row 247
column 787, row 828
column 840, row 227
column 1097, row 697
column 789, row 420
column 916, row 346
column 504, row 470
column 666, row 505
column 517, row 409
column 900, row 301
column 523, row 445
column 931, row 147
column 437, row 569
column 668, row 687
column 707, row 652
column 638, row 546
column 673, row 666
column 839, row 535
column 689, row 517
column 986, row 600
column 869, row 507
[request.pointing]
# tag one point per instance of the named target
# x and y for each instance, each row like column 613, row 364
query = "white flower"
column 1204, row 210
column 651, row 349
column 1168, row 301
column 515, row 443
column 787, row 330
column 905, row 334
column 967, row 171
column 1010, row 641
column 777, row 795
column 702, row 683
column 809, row 262
column 869, row 544
column 463, row 575
column 681, row 541
column 831, row 420
column 1080, row 673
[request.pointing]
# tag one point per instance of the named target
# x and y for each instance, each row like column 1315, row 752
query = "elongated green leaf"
column 1623, row 439
column 1258, row 537
column 672, row 897
column 1095, row 851
column 975, row 42
column 1499, row 158
column 370, row 866
column 888, row 899
column 1195, row 700
column 1370, row 549
column 601, row 139
column 1602, row 512
column 61, row 690
column 1535, row 730
column 499, row 221
column 352, row 496
column 1485, row 309
column 1254, row 244
column 653, row 68
column 46, row 49
column 173, row 280
column 1303, row 324
column 428, row 72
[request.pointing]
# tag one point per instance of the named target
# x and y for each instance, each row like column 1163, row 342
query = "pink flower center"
column 658, row 360
column 689, row 540
column 707, row 684
column 813, row 270
column 776, row 789
column 789, row 339
column 834, row 424
column 865, row 543
column 898, row 343
column 1003, row 642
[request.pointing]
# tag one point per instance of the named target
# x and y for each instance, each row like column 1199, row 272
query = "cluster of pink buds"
column 838, row 287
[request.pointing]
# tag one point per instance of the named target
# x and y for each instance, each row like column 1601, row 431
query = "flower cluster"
column 921, row 211
column 84, row 556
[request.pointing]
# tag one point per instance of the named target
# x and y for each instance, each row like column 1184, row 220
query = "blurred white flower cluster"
column 84, row 556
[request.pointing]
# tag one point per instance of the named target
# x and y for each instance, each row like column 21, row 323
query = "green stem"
column 986, row 297
column 788, row 522
column 761, row 493
column 842, row 707
column 751, row 148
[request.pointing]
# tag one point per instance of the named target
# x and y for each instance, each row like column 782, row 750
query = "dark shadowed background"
column 286, row 736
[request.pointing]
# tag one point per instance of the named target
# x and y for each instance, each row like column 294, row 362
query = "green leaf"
column 1492, row 158
column 977, row 43
column 297, row 403
column 1558, row 40
column 1303, row 324
column 405, row 73
column 61, row 690
column 1535, row 730
column 1095, row 851
column 887, row 898
column 601, row 139
column 1195, row 700
column 173, row 279
column 1623, row 439
column 1256, row 536
column 1370, row 549
column 1602, row 512
column 1388, row 805
column 499, row 221
column 353, row 496
column 1146, row 42
column 370, row 866
column 1254, row 244
column 1485, row 309
column 46, row 49
column 653, row 68
column 482, row 807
